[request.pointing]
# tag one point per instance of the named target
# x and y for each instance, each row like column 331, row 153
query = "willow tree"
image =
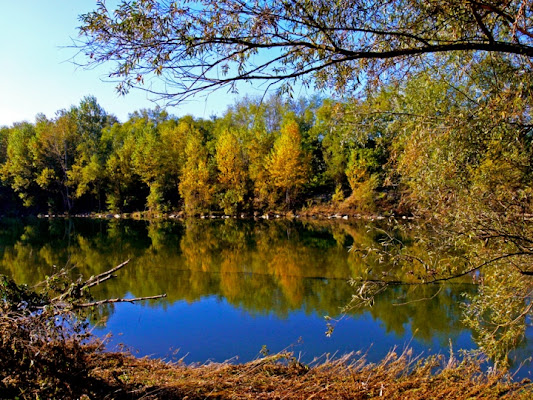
column 203, row 45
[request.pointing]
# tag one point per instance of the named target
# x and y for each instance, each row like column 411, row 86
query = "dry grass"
column 281, row 377
column 40, row 358
column 43, row 367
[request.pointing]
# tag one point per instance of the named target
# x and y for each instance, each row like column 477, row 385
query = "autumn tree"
column 255, row 122
column 287, row 164
column 87, row 174
column 150, row 156
column 173, row 135
column 54, row 152
column 362, row 177
column 57, row 160
column 147, row 162
column 126, row 191
column 232, row 174
column 196, row 183
column 336, row 137
column 7, row 196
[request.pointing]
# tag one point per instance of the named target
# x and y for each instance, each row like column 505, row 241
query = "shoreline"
column 101, row 374
column 265, row 216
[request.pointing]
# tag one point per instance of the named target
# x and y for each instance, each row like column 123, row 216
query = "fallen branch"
column 94, row 280
column 81, row 287
column 109, row 301
column 76, row 297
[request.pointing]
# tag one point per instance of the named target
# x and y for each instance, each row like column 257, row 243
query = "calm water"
column 235, row 286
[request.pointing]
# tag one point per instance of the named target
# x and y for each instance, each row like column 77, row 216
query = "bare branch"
column 188, row 46
column 93, row 281
column 106, row 273
column 109, row 301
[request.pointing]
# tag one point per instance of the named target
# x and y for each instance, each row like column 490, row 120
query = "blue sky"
column 36, row 75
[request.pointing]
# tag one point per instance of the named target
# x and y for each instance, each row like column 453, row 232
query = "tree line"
column 403, row 148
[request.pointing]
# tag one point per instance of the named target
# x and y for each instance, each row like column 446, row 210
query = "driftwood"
column 71, row 298
column 107, row 301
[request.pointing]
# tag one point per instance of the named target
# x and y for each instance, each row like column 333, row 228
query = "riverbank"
column 122, row 376
column 395, row 377
column 323, row 214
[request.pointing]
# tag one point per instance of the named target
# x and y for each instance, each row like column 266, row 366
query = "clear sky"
column 36, row 75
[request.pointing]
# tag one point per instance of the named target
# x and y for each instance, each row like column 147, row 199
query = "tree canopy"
column 197, row 46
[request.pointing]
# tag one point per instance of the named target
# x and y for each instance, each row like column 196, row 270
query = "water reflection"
column 228, row 277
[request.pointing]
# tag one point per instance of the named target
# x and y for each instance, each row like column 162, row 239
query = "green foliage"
column 87, row 174
column 336, row 136
column 362, row 177
column 414, row 144
column 196, row 185
column 498, row 313
column 312, row 43
column 338, row 196
column 120, row 140
column 18, row 169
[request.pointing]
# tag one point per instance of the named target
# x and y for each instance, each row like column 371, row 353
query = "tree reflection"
column 268, row 267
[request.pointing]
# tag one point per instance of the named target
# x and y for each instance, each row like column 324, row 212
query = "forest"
column 428, row 140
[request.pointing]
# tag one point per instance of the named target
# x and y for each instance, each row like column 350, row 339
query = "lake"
column 234, row 286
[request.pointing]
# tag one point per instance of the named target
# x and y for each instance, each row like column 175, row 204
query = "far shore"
column 146, row 215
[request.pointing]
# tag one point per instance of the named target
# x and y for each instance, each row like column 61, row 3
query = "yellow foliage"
column 287, row 164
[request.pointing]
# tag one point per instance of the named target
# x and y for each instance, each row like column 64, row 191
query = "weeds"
column 282, row 377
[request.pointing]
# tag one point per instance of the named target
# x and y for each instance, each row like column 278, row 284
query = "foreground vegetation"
column 40, row 361
column 122, row 376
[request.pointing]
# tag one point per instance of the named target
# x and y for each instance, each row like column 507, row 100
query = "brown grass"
column 88, row 373
column 122, row 376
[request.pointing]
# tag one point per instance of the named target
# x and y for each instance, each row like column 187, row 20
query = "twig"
column 479, row 266
column 421, row 299
column 99, row 281
column 105, row 274
column 108, row 301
